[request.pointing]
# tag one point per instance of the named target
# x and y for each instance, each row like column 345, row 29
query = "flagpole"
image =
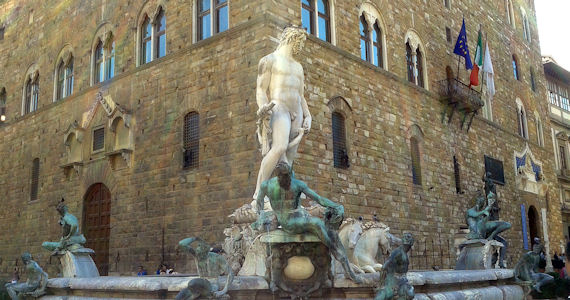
column 483, row 65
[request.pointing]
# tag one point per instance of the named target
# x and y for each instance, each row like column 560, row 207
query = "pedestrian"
column 141, row 271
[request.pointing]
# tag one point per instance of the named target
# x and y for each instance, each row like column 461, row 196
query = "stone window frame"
column 416, row 46
column 522, row 120
column 65, row 59
column 373, row 17
column 510, row 13
column 213, row 30
column 342, row 106
column 527, row 35
column 106, row 37
column 416, row 138
column 561, row 142
column 147, row 13
column 30, row 87
column 102, row 149
column 539, row 129
column 315, row 20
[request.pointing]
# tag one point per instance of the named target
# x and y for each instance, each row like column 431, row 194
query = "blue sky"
column 553, row 19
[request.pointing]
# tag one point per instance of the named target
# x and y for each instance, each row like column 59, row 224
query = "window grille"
column 191, row 140
column 340, row 153
column 416, row 164
column 419, row 68
column 457, row 175
column 98, row 139
column 35, row 179
column 377, row 46
column 316, row 18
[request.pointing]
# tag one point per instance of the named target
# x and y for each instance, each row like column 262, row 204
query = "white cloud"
column 552, row 17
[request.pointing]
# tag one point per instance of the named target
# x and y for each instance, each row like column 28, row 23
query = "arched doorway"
column 96, row 224
column 532, row 223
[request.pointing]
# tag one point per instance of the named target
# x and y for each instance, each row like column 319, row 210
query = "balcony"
column 459, row 97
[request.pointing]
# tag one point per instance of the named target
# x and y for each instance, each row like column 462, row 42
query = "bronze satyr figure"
column 527, row 269
column 480, row 227
column 209, row 264
column 36, row 284
column 393, row 279
column 71, row 238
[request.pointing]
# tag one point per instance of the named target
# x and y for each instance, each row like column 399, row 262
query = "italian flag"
column 477, row 63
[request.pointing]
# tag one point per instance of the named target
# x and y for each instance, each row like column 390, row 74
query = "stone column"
column 549, row 267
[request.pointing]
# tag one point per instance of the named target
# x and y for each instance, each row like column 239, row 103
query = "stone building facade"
column 558, row 85
column 115, row 149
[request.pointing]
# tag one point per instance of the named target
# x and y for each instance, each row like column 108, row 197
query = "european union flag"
column 461, row 47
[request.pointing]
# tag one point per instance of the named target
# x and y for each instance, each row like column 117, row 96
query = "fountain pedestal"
column 77, row 263
column 477, row 254
column 297, row 264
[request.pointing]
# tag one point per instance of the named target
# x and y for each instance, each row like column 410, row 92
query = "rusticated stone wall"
column 155, row 202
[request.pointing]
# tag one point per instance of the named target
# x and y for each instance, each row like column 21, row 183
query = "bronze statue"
column 284, row 192
column 480, row 227
column 71, row 238
column 36, row 284
column 209, row 264
column 527, row 269
column 491, row 187
column 393, row 279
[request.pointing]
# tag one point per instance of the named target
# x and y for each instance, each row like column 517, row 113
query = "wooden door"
column 96, row 224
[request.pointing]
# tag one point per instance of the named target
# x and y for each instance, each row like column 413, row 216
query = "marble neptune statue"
column 283, row 114
column 71, row 237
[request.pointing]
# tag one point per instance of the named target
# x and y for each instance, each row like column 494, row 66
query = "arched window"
column 34, row 183
column 410, row 64
column 521, row 120
column 510, row 13
column 99, row 63
column 146, row 41
column 319, row 11
column 110, row 62
column 419, row 68
column 340, row 153
column 525, row 26
column 152, row 43
column 207, row 25
column 516, row 68
column 2, row 105
column 64, row 75
column 160, row 34
column 372, row 40
column 377, row 46
column 364, row 39
column 191, row 140
column 31, row 94
column 415, row 60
